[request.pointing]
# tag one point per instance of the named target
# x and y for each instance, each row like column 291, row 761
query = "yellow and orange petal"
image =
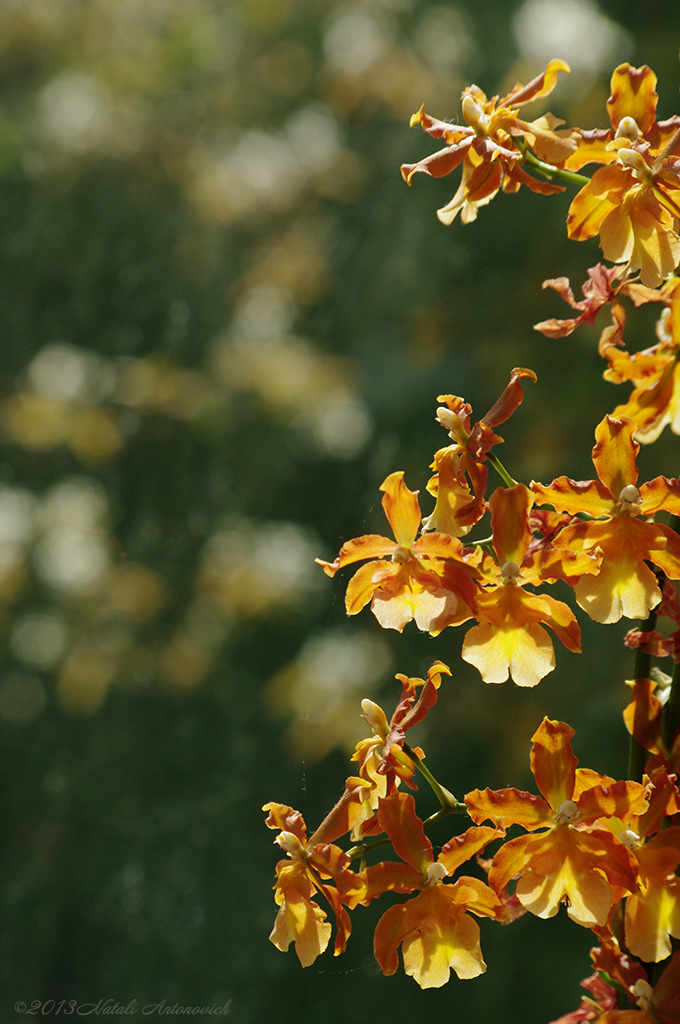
column 300, row 919
column 510, row 640
column 435, row 933
column 565, row 863
column 653, row 912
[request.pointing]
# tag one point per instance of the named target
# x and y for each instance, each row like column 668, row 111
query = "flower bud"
column 375, row 717
column 473, row 113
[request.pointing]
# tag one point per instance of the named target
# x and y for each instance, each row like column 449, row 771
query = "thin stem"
column 501, row 470
column 449, row 805
column 671, row 711
column 364, row 848
column 554, row 172
column 446, row 799
column 637, row 755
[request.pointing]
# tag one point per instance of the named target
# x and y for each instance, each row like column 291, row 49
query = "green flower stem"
column 553, row 172
column 637, row 755
column 446, row 799
column 501, row 470
column 671, row 711
column 364, row 848
column 449, row 805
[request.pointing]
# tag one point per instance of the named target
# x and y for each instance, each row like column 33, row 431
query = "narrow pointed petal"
column 539, row 86
column 397, row 815
column 553, row 762
column 574, row 496
column 510, row 523
column 615, row 453
column 462, row 848
column 356, row 550
column 401, row 508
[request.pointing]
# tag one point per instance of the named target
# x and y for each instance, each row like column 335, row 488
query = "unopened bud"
column 375, row 717
column 450, row 420
column 473, row 113
column 290, row 843
column 644, row 994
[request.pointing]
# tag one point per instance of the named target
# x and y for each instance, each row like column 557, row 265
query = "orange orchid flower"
column 300, row 919
column 408, row 582
column 632, row 203
column 459, row 485
column 655, row 402
column 434, row 928
column 487, row 148
column 632, row 113
column 652, row 914
column 568, row 861
column 510, row 638
column 624, row 584
column 383, row 761
column 602, row 288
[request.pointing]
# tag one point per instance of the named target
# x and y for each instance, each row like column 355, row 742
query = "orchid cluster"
column 607, row 849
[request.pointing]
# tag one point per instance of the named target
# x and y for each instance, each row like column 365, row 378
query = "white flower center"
column 401, row 555
column 567, row 812
column 509, row 572
column 628, row 129
column 435, row 873
column 629, row 838
column 629, row 498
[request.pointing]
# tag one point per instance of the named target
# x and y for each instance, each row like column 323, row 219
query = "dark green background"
column 136, row 863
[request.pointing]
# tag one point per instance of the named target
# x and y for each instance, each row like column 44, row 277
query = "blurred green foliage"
column 224, row 319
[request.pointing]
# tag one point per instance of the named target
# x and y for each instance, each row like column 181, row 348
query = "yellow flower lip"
column 628, row 129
